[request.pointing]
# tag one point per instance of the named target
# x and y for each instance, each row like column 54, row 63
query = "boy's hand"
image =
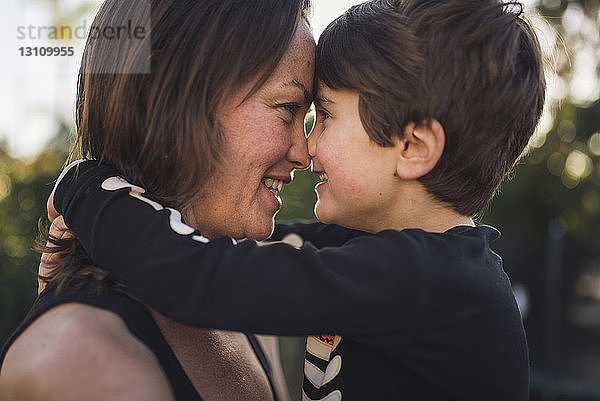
column 291, row 239
column 57, row 229
column 52, row 213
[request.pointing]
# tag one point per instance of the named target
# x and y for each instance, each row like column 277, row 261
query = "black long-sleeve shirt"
column 409, row 315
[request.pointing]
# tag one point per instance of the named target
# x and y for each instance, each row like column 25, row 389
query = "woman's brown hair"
column 158, row 127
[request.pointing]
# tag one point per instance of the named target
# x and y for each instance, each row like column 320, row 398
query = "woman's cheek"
column 278, row 141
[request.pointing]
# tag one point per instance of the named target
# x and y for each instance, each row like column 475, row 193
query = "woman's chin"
column 261, row 232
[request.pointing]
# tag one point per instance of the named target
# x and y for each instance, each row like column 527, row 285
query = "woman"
column 214, row 129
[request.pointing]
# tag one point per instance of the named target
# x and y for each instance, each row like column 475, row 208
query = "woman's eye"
column 292, row 108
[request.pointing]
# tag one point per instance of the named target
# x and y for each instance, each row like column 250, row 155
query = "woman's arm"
column 358, row 288
column 76, row 352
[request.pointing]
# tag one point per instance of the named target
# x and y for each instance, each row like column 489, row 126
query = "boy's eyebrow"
column 319, row 100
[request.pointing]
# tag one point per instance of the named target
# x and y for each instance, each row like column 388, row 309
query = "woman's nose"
column 298, row 153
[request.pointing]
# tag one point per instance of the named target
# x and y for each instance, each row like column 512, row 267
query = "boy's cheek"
column 337, row 198
column 350, row 186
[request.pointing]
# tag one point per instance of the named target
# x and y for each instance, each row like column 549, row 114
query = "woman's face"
column 264, row 141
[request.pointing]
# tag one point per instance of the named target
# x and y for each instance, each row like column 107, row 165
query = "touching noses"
column 298, row 152
column 312, row 142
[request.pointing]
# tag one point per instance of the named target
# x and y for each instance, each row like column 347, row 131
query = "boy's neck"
column 416, row 208
column 438, row 221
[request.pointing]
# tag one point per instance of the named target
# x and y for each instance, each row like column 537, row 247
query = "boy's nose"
column 312, row 143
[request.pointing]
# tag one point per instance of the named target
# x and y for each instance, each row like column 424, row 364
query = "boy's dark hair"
column 473, row 65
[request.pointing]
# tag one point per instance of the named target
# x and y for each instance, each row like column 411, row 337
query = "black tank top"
column 140, row 323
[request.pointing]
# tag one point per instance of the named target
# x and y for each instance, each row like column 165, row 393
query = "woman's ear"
column 420, row 149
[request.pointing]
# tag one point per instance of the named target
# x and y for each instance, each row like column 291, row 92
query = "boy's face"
column 358, row 188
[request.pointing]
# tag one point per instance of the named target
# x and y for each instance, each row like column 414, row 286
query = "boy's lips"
column 323, row 180
column 317, row 170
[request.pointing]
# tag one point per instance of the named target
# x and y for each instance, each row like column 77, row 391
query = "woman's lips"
column 274, row 187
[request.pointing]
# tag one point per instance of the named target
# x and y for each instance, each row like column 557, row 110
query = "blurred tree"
column 549, row 210
column 24, row 188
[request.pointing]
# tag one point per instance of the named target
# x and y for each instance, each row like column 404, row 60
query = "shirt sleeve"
column 372, row 284
column 317, row 233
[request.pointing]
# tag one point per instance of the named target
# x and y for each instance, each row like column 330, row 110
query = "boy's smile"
column 358, row 188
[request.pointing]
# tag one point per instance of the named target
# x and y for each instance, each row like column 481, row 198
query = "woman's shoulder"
column 76, row 351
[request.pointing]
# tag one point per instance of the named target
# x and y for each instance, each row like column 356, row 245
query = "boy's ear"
column 420, row 149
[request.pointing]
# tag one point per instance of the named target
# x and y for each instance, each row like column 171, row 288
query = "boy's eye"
column 322, row 115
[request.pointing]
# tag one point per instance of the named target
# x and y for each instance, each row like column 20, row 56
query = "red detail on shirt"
column 326, row 339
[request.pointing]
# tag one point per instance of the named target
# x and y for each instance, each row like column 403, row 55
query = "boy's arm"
column 317, row 233
column 275, row 289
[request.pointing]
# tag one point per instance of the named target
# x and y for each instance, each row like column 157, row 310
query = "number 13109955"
column 47, row 51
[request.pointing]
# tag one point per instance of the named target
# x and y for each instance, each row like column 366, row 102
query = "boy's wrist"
column 55, row 201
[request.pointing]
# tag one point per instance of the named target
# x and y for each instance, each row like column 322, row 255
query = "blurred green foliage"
column 24, row 189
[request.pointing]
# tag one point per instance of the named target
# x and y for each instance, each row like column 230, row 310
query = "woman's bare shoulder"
column 75, row 352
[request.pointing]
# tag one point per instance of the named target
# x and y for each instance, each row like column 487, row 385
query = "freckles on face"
column 255, row 140
column 236, row 202
column 260, row 136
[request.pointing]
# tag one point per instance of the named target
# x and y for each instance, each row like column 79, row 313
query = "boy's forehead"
column 325, row 94
column 322, row 88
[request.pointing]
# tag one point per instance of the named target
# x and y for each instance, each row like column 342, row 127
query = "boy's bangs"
column 332, row 66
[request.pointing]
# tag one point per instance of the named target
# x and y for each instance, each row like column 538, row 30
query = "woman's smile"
column 274, row 187
column 264, row 142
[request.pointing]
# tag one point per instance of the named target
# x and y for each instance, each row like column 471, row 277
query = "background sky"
column 37, row 93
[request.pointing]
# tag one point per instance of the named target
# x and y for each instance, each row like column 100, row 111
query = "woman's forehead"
column 297, row 66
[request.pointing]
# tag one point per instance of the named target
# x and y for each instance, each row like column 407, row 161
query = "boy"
column 423, row 107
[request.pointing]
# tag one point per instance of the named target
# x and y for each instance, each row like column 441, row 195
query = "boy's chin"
column 328, row 216
column 324, row 215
